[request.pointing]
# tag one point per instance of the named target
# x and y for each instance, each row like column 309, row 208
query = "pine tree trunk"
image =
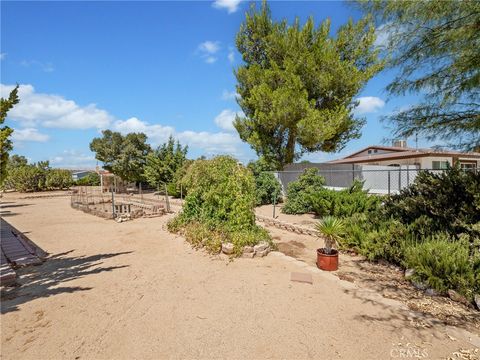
column 290, row 150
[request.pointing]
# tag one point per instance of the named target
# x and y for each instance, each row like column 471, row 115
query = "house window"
column 439, row 165
column 468, row 166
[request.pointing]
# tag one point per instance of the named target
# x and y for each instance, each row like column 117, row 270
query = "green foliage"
column 299, row 192
column 268, row 188
column 332, row 230
column 164, row 162
column 58, row 179
column 447, row 201
column 39, row 176
column 220, row 200
column 434, row 46
column 297, row 84
column 91, row 179
column 444, row 263
column 376, row 239
column 125, row 156
column 27, row 178
column 16, row 161
column 177, row 188
column 344, row 203
column 5, row 132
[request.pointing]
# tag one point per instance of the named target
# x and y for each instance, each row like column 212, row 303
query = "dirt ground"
column 133, row 290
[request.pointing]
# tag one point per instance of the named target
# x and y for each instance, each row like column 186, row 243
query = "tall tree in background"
column 297, row 84
column 436, row 47
column 125, row 156
column 164, row 161
column 5, row 132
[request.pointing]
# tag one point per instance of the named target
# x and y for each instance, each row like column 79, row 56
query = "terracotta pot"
column 327, row 262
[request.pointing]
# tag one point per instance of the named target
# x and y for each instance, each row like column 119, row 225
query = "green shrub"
column 448, row 201
column 91, row 179
column 58, row 179
column 267, row 189
column 343, row 203
column 376, row 240
column 444, row 264
column 299, row 192
column 27, row 178
column 220, row 199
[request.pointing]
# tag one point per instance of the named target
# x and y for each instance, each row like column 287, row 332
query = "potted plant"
column 332, row 230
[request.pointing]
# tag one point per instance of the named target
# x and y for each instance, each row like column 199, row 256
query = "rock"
column 262, row 253
column 248, row 255
column 455, row 296
column 419, row 285
column 248, row 249
column 409, row 273
column 260, row 246
column 227, row 248
column 476, row 298
column 431, row 292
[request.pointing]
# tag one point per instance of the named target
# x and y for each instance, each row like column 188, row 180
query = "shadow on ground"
column 43, row 281
column 9, row 205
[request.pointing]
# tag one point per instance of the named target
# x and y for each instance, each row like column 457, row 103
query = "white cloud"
column 210, row 143
column 210, row 59
column 229, row 95
column 225, row 119
column 369, row 104
column 29, row 134
column 231, row 55
column 54, row 111
column 230, row 5
column 157, row 134
column 38, row 109
column 46, row 67
column 3, row 56
column 208, row 49
column 73, row 159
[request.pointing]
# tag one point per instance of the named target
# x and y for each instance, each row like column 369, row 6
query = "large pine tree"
column 297, row 84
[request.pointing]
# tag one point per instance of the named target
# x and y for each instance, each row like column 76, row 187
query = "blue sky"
column 158, row 67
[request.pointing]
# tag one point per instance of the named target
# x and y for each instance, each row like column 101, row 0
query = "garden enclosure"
column 111, row 205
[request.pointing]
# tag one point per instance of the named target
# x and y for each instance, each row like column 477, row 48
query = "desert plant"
column 444, row 264
column 332, row 229
column 220, row 197
column 343, row 203
column 299, row 192
column 448, row 201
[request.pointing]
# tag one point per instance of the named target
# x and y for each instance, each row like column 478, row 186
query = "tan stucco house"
column 401, row 155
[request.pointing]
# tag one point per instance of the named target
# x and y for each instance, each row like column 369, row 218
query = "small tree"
column 125, row 156
column 332, row 229
column 5, row 132
column 162, row 163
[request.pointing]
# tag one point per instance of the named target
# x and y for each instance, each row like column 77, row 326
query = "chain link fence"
column 377, row 179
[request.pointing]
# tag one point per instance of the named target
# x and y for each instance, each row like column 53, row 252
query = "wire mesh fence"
column 377, row 180
column 112, row 205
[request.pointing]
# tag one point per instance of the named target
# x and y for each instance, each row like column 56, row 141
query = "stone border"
column 287, row 226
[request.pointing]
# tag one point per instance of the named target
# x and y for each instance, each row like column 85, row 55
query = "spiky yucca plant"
column 332, row 229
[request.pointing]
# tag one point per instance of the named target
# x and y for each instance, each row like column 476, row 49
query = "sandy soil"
column 132, row 290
